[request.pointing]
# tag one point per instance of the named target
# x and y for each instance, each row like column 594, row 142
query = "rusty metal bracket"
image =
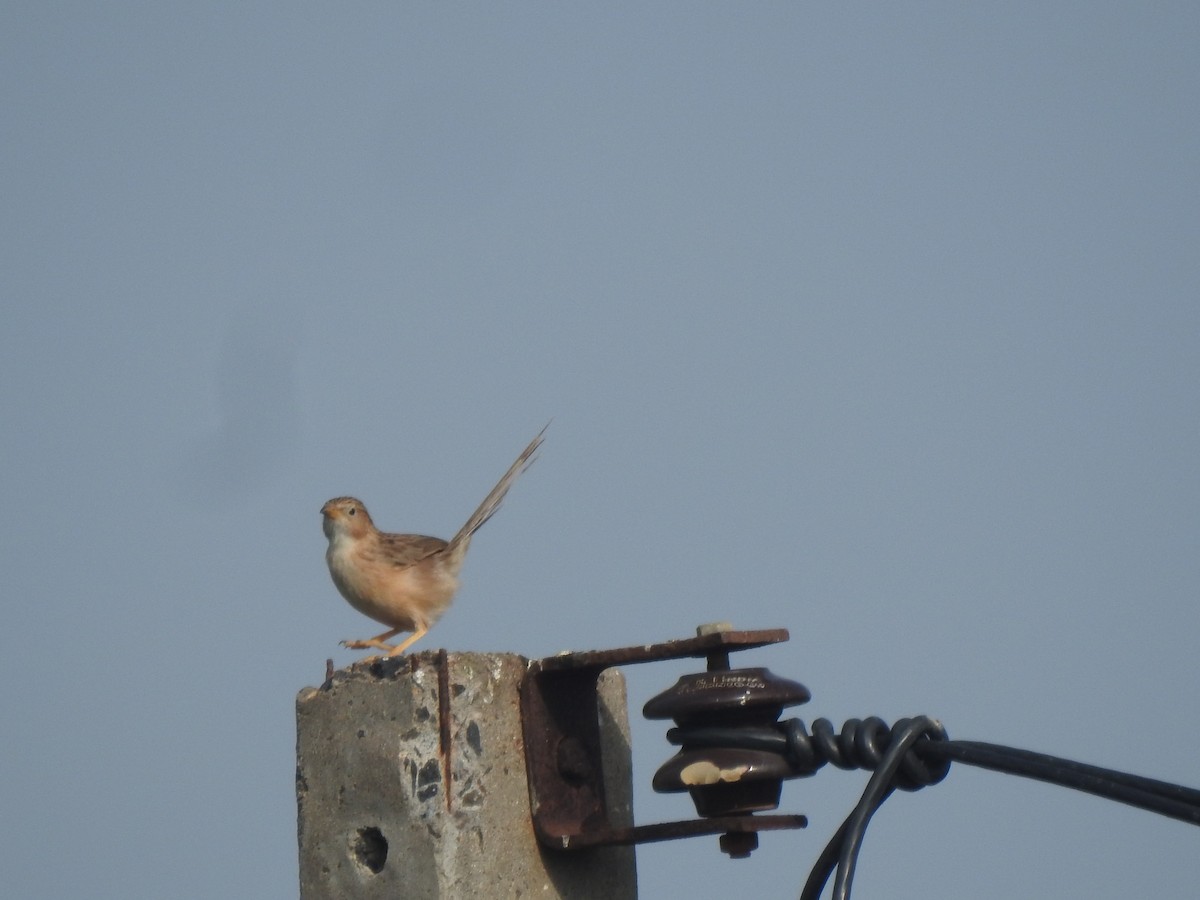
column 560, row 720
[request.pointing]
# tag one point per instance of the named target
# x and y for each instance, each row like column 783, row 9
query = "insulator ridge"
column 860, row 744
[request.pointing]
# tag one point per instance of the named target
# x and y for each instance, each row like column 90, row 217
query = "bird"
column 404, row 581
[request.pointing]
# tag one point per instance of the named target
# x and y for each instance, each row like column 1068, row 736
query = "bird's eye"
column 351, row 511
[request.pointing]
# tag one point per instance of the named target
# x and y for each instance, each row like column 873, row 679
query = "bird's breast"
column 400, row 597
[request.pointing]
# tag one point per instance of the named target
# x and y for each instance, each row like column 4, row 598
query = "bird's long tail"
column 492, row 502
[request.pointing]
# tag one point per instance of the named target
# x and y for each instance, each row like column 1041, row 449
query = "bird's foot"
column 369, row 644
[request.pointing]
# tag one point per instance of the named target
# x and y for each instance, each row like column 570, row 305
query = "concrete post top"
column 411, row 782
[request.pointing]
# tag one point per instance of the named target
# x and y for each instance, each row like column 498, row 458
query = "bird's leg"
column 408, row 641
column 377, row 642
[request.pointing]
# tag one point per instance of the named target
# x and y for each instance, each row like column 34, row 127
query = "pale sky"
column 878, row 322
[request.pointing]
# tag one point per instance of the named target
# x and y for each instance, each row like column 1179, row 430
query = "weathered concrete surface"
column 404, row 792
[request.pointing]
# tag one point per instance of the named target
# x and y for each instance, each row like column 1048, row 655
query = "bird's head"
column 345, row 516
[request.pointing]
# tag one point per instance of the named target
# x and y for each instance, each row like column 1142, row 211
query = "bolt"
column 718, row 660
column 739, row 844
column 572, row 760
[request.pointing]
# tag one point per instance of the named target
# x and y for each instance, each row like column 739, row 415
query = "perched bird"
column 405, row 581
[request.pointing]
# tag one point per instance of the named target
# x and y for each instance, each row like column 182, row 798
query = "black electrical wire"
column 843, row 849
column 1173, row 800
column 912, row 754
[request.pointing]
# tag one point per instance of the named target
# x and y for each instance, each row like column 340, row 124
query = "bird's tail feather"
column 492, row 502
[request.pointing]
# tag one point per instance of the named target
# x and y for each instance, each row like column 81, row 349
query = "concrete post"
column 410, row 781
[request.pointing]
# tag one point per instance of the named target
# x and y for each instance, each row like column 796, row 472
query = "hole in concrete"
column 371, row 849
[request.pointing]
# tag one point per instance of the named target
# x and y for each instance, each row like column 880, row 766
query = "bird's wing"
column 404, row 550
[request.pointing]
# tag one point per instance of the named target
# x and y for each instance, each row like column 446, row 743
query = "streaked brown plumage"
column 405, row 581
